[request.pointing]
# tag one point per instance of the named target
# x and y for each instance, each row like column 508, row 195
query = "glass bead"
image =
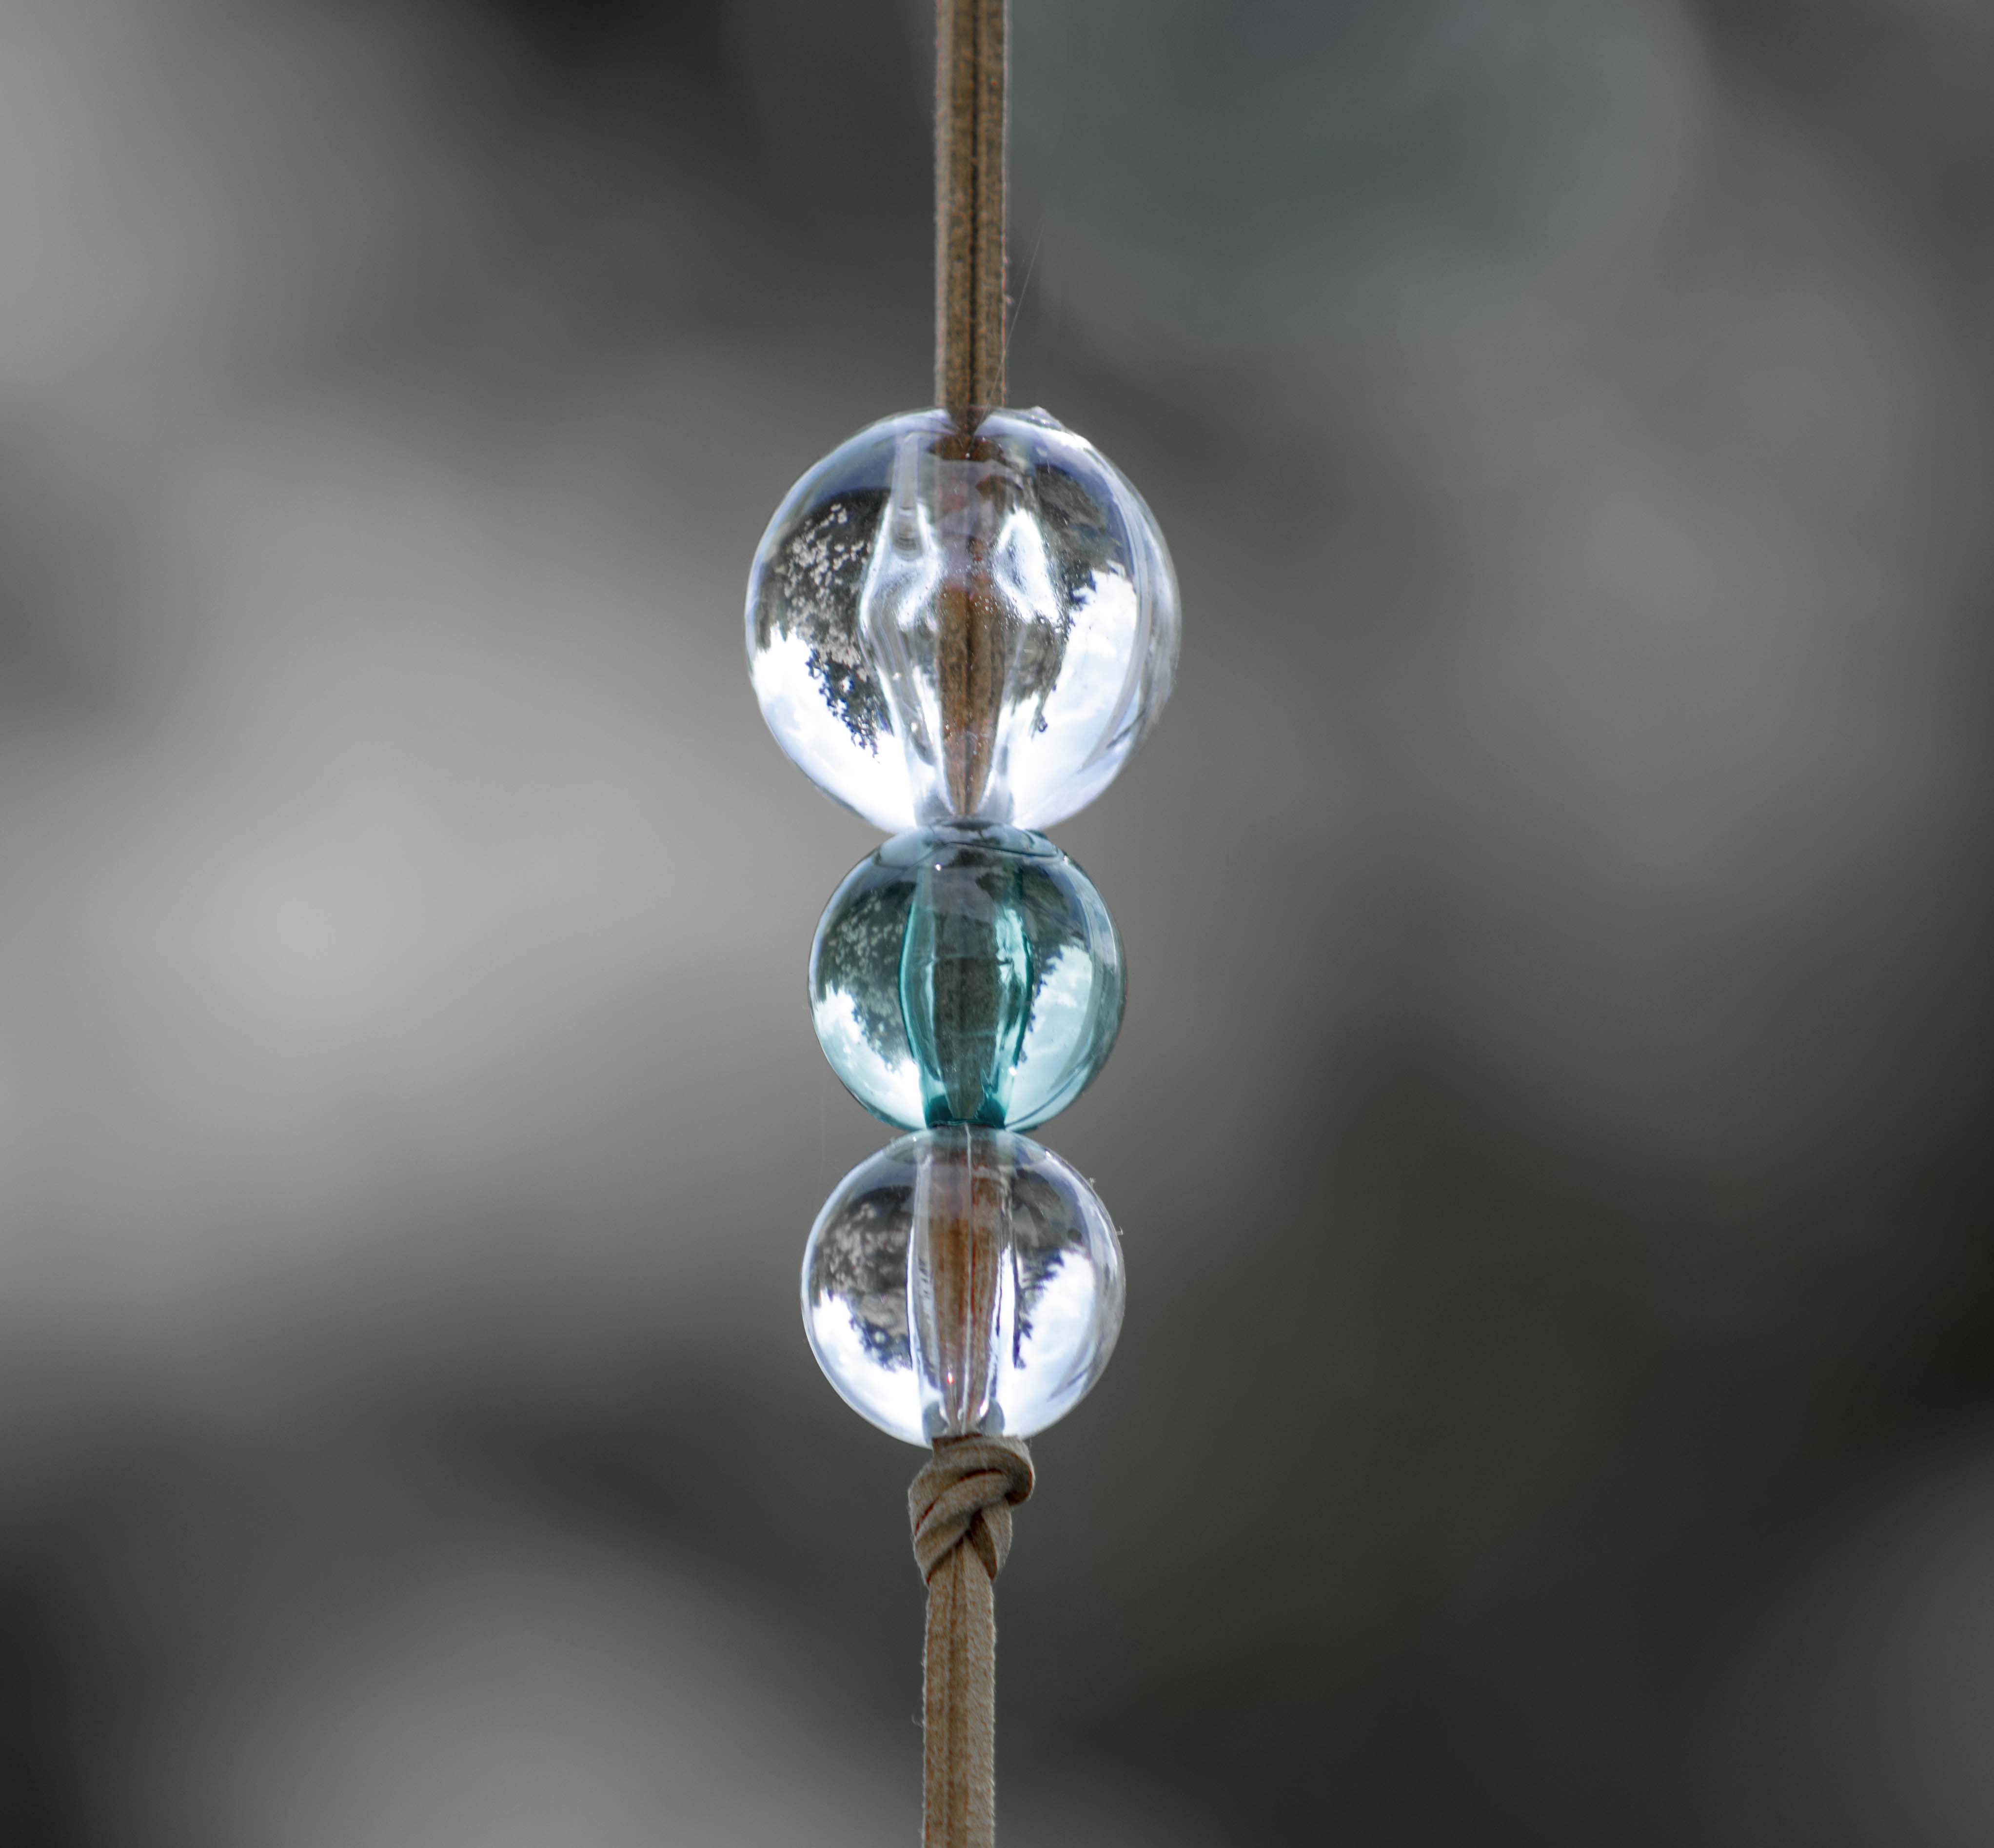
column 1011, row 582
column 966, row 975
column 963, row 1279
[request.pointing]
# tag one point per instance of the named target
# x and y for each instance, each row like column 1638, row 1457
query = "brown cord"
column 960, row 1505
column 959, row 1508
column 970, row 69
column 971, row 41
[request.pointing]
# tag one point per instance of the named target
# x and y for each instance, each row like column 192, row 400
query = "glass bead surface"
column 966, row 975
column 963, row 1279
column 1012, row 581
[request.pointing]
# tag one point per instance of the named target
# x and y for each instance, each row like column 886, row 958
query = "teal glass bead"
column 963, row 1279
column 966, row 975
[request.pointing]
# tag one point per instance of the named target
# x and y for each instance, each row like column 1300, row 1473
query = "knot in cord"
column 965, row 1495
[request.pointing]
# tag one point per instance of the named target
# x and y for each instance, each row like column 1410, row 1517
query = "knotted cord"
column 959, row 1508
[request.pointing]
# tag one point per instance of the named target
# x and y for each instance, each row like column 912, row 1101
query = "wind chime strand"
column 961, row 623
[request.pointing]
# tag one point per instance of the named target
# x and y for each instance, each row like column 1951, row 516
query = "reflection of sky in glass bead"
column 874, row 781
column 1047, row 1370
column 885, row 1392
column 892, row 1087
column 1061, row 1027
column 1049, row 766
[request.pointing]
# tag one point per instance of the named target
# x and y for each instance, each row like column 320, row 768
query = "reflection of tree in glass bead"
column 1077, row 603
column 966, row 975
column 810, row 589
column 867, row 1267
column 963, row 1279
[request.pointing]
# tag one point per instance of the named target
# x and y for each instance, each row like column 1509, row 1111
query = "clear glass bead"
column 966, row 975
column 979, row 628
column 963, row 1279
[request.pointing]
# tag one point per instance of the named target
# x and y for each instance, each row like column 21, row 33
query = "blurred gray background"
column 1556, row 1403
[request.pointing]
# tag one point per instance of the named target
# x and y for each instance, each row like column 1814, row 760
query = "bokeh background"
column 1557, row 1403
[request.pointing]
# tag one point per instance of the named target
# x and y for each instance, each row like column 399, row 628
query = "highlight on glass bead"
column 1012, row 581
column 966, row 975
column 963, row 1279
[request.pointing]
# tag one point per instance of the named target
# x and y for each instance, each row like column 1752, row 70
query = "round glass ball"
column 966, row 975
column 945, row 626
column 963, row 1279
